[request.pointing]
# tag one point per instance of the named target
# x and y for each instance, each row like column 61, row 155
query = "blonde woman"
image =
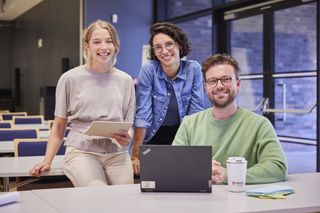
column 94, row 91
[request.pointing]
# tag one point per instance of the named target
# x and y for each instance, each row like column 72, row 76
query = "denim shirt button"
column 154, row 130
column 168, row 94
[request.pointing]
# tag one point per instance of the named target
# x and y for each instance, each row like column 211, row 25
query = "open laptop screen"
column 166, row 168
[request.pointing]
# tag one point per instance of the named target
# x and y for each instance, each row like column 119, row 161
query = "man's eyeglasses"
column 168, row 45
column 225, row 81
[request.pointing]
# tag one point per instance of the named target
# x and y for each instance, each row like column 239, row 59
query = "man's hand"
column 217, row 172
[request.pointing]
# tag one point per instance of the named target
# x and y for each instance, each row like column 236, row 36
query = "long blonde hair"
column 87, row 36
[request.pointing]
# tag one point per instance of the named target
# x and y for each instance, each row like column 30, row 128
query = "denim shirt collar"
column 181, row 72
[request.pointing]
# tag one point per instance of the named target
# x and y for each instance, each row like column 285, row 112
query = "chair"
column 37, row 147
column 8, row 116
column 11, row 134
column 6, row 124
column 35, row 119
column 67, row 131
column 33, row 147
column 3, row 111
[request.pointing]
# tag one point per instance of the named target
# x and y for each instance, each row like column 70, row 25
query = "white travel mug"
column 236, row 173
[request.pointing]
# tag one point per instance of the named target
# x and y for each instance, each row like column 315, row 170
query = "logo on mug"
column 237, row 183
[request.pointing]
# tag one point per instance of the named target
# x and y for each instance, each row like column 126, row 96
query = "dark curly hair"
column 173, row 31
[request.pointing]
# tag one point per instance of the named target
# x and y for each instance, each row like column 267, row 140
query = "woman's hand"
column 136, row 165
column 122, row 138
column 38, row 169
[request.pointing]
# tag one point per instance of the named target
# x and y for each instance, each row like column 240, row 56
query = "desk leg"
column 5, row 182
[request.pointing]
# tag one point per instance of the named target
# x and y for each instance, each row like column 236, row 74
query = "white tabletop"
column 6, row 147
column 43, row 134
column 20, row 166
column 29, row 202
column 127, row 198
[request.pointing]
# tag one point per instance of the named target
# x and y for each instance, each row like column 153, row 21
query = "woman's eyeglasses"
column 168, row 45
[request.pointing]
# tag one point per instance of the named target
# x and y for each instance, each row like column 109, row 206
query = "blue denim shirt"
column 153, row 94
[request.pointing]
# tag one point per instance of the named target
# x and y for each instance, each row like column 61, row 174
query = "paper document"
column 9, row 197
column 271, row 192
column 106, row 128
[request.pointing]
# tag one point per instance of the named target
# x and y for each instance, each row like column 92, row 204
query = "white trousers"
column 96, row 169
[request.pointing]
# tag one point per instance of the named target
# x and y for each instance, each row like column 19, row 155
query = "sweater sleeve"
column 271, row 165
column 182, row 135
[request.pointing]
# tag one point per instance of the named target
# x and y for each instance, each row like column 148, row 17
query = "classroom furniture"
column 20, row 167
column 35, row 119
column 5, row 124
column 6, row 147
column 11, row 134
column 29, row 202
column 37, row 147
column 33, row 147
column 127, row 198
column 8, row 116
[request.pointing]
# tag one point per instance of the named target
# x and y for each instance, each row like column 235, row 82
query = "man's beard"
column 227, row 102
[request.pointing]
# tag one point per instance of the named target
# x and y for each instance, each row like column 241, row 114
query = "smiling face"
column 100, row 48
column 166, row 50
column 221, row 95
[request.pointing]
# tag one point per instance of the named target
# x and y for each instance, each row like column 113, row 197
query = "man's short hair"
column 218, row 59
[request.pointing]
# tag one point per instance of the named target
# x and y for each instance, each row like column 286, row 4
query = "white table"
column 128, row 198
column 20, row 167
column 6, row 147
column 43, row 134
column 29, row 202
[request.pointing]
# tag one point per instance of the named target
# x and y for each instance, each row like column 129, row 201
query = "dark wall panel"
column 5, row 56
column 46, row 34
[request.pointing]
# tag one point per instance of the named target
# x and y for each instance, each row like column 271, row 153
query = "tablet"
column 106, row 128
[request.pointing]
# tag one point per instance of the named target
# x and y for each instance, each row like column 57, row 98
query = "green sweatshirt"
column 245, row 134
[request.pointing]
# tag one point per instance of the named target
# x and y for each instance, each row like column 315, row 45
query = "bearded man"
column 232, row 130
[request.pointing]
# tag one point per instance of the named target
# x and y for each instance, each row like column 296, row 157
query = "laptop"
column 166, row 168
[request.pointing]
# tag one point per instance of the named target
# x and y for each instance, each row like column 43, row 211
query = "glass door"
column 247, row 48
column 277, row 51
column 295, row 80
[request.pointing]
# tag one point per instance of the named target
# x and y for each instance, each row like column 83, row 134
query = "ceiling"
column 11, row 9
